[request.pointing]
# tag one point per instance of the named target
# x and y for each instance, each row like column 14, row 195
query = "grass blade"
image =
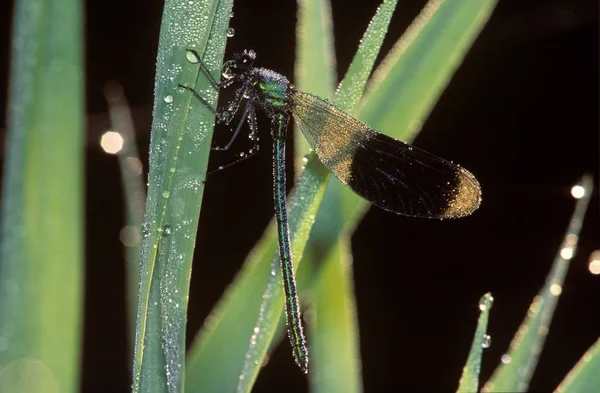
column 333, row 325
column 268, row 314
column 518, row 365
column 420, row 65
column 333, row 335
column 584, row 377
column 469, row 381
column 217, row 358
column 42, row 216
column 135, row 193
column 180, row 144
column 315, row 58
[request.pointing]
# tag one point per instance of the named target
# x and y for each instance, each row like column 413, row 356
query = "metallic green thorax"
column 274, row 89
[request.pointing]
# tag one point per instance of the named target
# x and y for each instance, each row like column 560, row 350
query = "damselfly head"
column 240, row 64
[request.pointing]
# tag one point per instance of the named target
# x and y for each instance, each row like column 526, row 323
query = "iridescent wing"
column 386, row 172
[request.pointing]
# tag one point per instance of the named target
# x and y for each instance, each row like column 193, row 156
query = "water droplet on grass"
column 487, row 341
column 191, row 57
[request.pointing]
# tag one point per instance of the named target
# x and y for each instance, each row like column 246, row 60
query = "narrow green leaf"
column 315, row 57
column 135, row 194
column 181, row 136
column 217, row 358
column 333, row 325
column 584, row 377
column 469, row 381
column 518, row 365
column 412, row 77
column 333, row 337
column 42, row 216
column 269, row 310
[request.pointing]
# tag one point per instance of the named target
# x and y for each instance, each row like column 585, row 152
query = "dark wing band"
column 388, row 173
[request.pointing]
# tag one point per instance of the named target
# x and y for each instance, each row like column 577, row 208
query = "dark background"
column 521, row 113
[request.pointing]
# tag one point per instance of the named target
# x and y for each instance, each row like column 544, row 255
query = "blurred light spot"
column 129, row 236
column 572, row 239
column 555, row 289
column 566, row 253
column 135, row 165
column 505, row 358
column 577, row 191
column 111, row 142
column 594, row 264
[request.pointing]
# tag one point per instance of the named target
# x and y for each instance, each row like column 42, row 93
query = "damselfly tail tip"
column 301, row 358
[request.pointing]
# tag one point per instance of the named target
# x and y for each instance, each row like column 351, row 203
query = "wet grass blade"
column 269, row 310
column 518, row 365
column 180, row 145
column 469, row 381
column 218, row 357
column 584, row 377
column 131, row 169
column 41, row 245
column 333, row 328
column 333, row 334
column 315, row 58
column 410, row 80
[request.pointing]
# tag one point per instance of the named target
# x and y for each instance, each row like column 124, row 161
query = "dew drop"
column 230, row 32
column 166, row 194
column 191, row 57
column 167, row 230
column 506, row 358
column 172, row 169
column 168, row 99
column 487, row 341
column 231, row 14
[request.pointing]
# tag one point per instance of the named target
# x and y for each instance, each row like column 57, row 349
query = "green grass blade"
column 266, row 323
column 315, row 57
column 518, row 365
column 135, row 194
column 416, row 71
column 334, row 327
column 217, row 358
column 351, row 89
column 457, row 18
column 333, row 337
column 41, row 254
column 180, row 144
column 584, row 377
column 469, row 381
column 407, row 85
